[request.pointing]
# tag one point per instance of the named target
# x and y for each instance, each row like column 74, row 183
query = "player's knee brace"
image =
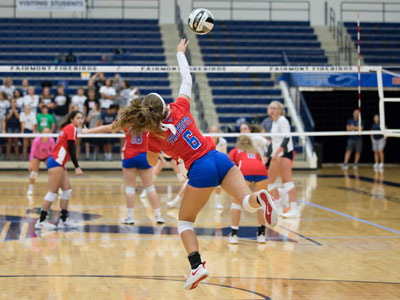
column 66, row 195
column 184, row 225
column 33, row 175
column 247, row 206
column 50, row 197
column 150, row 188
column 288, row 186
column 272, row 186
column 129, row 190
column 236, row 206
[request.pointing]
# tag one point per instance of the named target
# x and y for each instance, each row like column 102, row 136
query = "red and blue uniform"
column 250, row 165
column 207, row 167
column 60, row 154
column 134, row 151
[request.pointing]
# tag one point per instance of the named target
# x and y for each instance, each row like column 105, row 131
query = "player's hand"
column 84, row 130
column 78, row 172
column 182, row 46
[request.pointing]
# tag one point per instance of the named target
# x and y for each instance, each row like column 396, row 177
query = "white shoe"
column 261, row 238
column 160, row 220
column 143, row 195
column 381, row 166
column 66, row 224
column 195, row 276
column 355, row 167
column 29, row 192
column 128, row 221
column 233, row 239
column 345, row 167
column 292, row 211
column 44, row 225
column 173, row 203
column 376, row 166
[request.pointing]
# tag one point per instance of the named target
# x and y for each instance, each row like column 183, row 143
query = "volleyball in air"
column 201, row 21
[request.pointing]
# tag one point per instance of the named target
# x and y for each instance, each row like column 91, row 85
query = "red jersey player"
column 246, row 157
column 174, row 132
column 58, row 175
column 134, row 161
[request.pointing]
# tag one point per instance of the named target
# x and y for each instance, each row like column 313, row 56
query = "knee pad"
column 66, row 195
column 129, row 190
column 272, row 186
column 33, row 175
column 288, row 186
column 184, row 225
column 150, row 188
column 236, row 206
column 247, row 206
column 50, row 197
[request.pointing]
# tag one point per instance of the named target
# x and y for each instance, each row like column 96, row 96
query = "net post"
column 359, row 71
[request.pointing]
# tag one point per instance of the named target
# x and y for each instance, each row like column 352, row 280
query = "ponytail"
column 244, row 143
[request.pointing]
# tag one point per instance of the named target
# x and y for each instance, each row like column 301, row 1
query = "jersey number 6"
column 191, row 140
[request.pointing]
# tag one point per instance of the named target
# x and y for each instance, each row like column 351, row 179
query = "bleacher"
column 380, row 42
column 92, row 42
column 254, row 43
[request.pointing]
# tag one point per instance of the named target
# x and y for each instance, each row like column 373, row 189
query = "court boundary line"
column 350, row 217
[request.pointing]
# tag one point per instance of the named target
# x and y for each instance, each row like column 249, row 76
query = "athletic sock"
column 30, row 187
column 235, row 230
column 130, row 212
column 261, row 229
column 64, row 215
column 157, row 212
column 194, row 259
column 43, row 215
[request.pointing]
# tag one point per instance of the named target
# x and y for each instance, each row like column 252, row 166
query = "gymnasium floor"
column 346, row 245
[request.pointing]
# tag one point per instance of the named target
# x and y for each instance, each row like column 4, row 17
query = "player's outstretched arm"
column 185, row 90
column 99, row 129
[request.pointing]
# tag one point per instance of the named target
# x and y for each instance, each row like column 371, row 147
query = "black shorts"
column 288, row 155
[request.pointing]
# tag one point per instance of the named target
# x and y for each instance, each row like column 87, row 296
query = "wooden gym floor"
column 346, row 245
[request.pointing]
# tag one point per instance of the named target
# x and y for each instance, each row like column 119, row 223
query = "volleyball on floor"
column 201, row 21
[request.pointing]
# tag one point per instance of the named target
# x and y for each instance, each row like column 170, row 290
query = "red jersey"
column 60, row 152
column 249, row 164
column 188, row 143
column 134, row 145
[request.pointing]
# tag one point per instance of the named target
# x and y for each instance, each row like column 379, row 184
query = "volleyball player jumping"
column 174, row 132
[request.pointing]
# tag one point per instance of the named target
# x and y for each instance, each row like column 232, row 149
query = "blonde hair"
column 244, row 143
column 140, row 116
column 280, row 106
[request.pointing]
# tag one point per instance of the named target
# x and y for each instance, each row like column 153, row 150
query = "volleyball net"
column 224, row 96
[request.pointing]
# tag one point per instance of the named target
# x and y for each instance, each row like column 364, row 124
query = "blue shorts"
column 51, row 163
column 255, row 178
column 139, row 162
column 209, row 170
